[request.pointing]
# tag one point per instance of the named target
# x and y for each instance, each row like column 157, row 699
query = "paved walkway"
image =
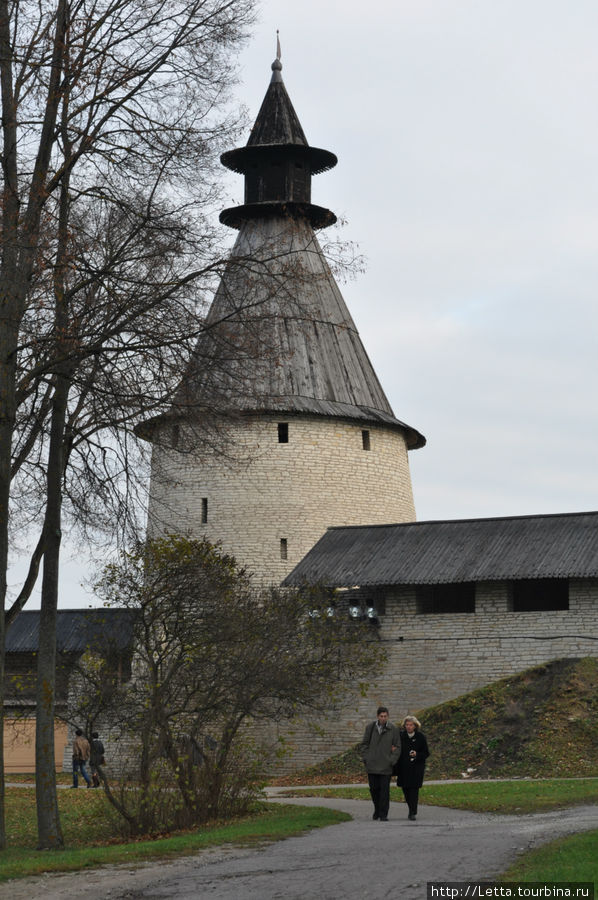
column 357, row 860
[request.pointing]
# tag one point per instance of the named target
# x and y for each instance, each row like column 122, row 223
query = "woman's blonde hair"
column 415, row 721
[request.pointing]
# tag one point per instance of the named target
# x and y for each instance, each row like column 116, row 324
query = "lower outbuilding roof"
column 76, row 630
column 450, row 551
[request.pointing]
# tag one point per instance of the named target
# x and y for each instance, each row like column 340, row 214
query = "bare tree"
column 112, row 118
column 111, row 115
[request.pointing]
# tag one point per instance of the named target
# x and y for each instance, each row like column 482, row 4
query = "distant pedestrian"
column 80, row 757
column 96, row 758
column 412, row 762
column 380, row 750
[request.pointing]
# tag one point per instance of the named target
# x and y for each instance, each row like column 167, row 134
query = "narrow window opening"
column 283, row 432
column 365, row 439
column 283, row 548
column 204, row 510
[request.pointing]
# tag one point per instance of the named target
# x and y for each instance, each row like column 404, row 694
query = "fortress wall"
column 431, row 658
column 259, row 491
column 266, row 491
column 443, row 656
column 437, row 657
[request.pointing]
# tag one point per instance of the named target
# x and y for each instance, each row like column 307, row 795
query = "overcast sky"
column 467, row 138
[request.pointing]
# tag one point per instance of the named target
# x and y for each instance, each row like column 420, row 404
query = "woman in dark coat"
column 412, row 762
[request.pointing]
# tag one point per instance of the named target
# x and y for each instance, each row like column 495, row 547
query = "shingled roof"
column 277, row 122
column 279, row 337
column 444, row 552
column 76, row 630
column 277, row 126
column 295, row 349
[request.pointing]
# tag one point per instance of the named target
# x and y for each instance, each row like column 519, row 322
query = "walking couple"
column 84, row 751
column 386, row 751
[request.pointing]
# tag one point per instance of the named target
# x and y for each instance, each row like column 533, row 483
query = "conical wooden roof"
column 279, row 337
column 277, row 122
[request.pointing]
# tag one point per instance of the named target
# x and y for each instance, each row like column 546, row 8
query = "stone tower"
column 280, row 427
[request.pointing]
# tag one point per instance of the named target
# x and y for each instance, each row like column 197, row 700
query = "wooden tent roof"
column 279, row 337
column 277, row 122
column 289, row 341
column 277, row 126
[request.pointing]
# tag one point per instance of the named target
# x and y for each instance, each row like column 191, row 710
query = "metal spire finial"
column 277, row 65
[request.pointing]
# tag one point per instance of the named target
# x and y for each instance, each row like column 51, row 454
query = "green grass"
column 540, row 723
column 85, row 817
column 87, row 830
column 29, row 778
column 494, row 796
column 573, row 858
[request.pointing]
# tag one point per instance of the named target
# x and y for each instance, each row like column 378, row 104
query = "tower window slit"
column 283, row 432
column 365, row 439
column 204, row 510
column 283, row 548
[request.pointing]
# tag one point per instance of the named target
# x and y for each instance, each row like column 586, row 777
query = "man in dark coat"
column 380, row 750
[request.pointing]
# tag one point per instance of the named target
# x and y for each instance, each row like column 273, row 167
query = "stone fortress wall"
column 437, row 657
column 255, row 491
column 264, row 491
column 431, row 658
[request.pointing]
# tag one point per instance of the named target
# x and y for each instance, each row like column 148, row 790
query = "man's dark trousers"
column 380, row 792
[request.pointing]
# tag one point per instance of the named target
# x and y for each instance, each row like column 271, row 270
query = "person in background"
column 96, row 758
column 412, row 762
column 379, row 750
column 80, row 757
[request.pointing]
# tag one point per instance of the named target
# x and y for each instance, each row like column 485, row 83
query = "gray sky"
column 467, row 137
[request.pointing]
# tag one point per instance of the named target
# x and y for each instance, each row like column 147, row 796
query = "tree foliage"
column 218, row 659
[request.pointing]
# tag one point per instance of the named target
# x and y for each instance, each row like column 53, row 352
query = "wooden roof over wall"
column 444, row 552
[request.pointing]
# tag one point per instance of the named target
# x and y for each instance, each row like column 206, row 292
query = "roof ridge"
column 83, row 609
column 591, row 512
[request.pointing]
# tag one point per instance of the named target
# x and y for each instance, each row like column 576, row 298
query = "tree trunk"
column 18, row 253
column 9, row 328
column 8, row 341
column 48, row 819
column 28, row 584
